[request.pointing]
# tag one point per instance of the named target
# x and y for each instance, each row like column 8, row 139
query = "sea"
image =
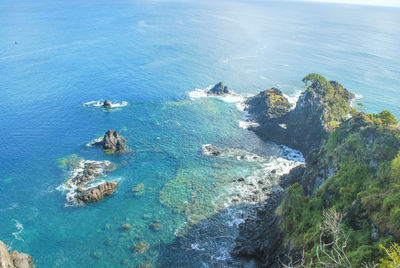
column 157, row 58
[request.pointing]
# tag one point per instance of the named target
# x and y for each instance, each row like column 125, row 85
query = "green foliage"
column 384, row 118
column 336, row 98
column 366, row 187
column 392, row 258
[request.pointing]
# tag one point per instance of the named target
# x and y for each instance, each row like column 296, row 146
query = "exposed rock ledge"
column 14, row 259
column 112, row 141
column 96, row 193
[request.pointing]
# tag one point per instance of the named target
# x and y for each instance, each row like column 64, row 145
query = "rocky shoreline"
column 14, row 259
column 304, row 128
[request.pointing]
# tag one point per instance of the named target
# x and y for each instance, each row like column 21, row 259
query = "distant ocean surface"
column 57, row 55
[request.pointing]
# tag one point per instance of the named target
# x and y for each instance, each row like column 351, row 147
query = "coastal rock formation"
column 107, row 104
column 112, row 141
column 219, row 89
column 14, row 259
column 320, row 108
column 260, row 237
column 267, row 105
column 95, row 193
column 85, row 172
column 352, row 163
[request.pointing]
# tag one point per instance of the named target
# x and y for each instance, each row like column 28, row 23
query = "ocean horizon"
column 59, row 58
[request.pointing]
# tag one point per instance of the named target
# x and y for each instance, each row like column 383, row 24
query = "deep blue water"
column 57, row 55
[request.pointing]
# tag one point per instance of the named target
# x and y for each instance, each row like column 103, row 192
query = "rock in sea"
column 107, row 104
column 112, row 141
column 209, row 149
column 14, row 259
column 219, row 89
column 96, row 193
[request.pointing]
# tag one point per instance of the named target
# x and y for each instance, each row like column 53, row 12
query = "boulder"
column 14, row 259
column 112, row 141
column 107, row 104
column 219, row 89
column 95, row 193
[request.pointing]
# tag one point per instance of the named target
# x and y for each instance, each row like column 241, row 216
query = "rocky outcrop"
column 14, row 259
column 87, row 171
column 84, row 173
column 219, row 89
column 107, row 104
column 112, row 141
column 95, row 193
column 267, row 105
column 320, row 108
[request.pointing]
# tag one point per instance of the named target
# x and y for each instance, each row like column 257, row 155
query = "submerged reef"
column 14, row 259
column 352, row 172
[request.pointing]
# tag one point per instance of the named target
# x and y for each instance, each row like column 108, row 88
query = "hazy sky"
column 389, row 3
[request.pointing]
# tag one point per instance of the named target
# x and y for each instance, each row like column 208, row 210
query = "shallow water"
column 57, row 55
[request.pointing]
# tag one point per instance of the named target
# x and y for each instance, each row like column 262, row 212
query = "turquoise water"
column 57, row 55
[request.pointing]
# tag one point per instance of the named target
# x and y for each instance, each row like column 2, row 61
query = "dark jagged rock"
column 107, row 104
column 96, row 193
column 84, row 172
column 112, row 141
column 320, row 108
column 260, row 237
column 219, row 89
column 14, row 259
column 90, row 170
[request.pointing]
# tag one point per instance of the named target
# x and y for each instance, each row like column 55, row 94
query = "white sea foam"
column 231, row 98
column 91, row 143
column 99, row 103
column 254, row 187
column 355, row 99
column 293, row 98
column 20, row 228
column 247, row 124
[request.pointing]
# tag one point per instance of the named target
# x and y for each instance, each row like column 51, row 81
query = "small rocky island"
column 14, row 259
column 112, row 141
column 107, row 104
column 83, row 176
column 219, row 90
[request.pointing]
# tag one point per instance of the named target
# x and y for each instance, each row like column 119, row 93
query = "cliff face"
column 352, row 166
column 14, row 259
column 320, row 108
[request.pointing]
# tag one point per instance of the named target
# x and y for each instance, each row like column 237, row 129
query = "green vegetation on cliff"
column 336, row 98
column 360, row 162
